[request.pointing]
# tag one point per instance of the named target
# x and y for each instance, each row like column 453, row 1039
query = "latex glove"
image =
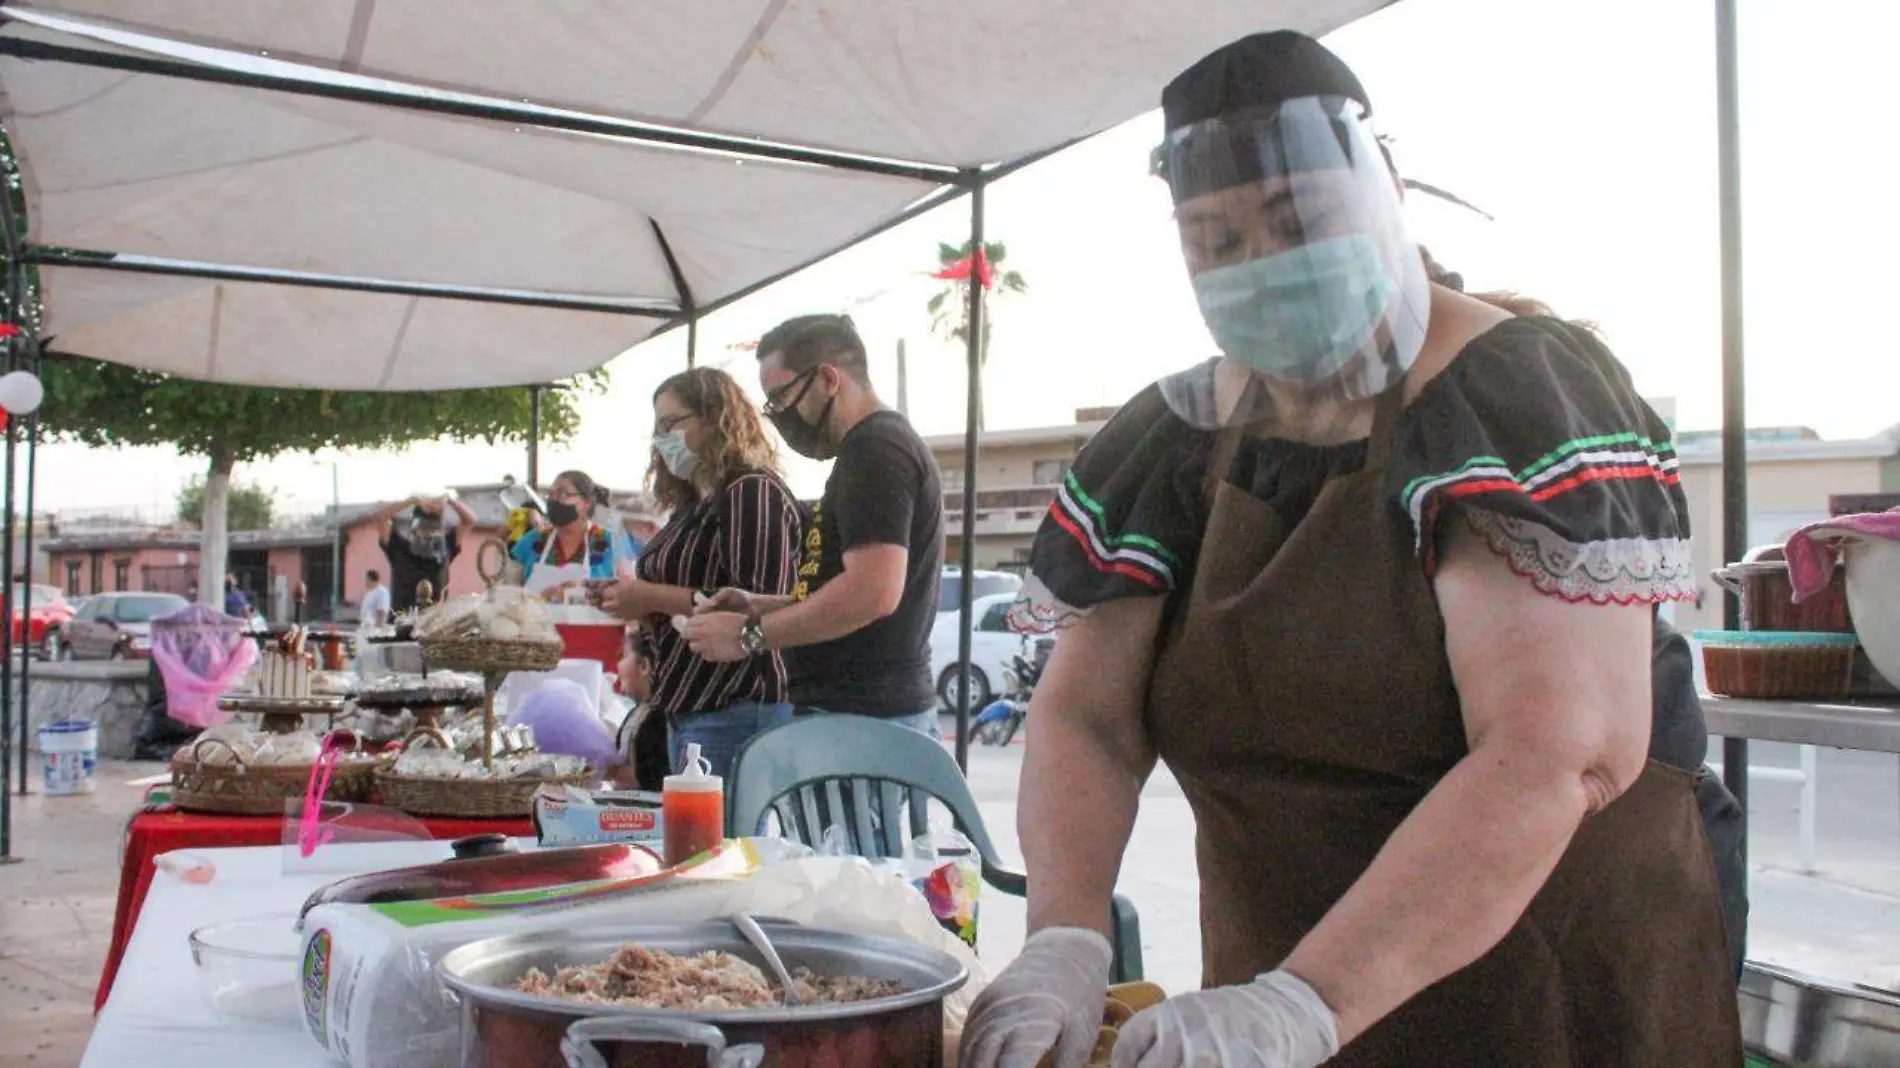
column 1049, row 998
column 1276, row 1021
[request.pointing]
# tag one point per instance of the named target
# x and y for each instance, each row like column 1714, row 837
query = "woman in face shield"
column 1378, row 585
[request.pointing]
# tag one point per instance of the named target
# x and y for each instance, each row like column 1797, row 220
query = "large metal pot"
column 502, row 1028
column 1795, row 1019
column 1768, row 599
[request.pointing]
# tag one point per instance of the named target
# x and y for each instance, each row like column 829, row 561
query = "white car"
column 950, row 588
column 992, row 646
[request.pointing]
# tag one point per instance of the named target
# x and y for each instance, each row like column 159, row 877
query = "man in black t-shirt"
column 421, row 547
column 856, row 629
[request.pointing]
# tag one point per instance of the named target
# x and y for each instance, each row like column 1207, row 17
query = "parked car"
column 115, row 626
column 985, row 583
column 47, row 609
column 992, row 647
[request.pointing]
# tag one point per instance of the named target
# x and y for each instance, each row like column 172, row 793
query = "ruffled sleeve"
column 1125, row 522
column 1537, row 441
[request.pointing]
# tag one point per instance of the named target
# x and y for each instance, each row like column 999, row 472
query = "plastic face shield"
column 1292, row 230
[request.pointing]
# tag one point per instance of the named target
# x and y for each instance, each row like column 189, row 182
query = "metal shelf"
column 1872, row 726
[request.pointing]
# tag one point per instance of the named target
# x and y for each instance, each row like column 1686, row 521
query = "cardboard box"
column 566, row 816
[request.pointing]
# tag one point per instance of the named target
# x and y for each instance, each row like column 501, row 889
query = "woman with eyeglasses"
column 734, row 524
column 571, row 549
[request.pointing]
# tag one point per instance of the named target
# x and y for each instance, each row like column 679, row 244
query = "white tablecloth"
column 156, row 1018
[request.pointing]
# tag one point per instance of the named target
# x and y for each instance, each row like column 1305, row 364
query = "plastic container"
column 247, row 969
column 1778, row 664
column 692, row 809
column 69, row 749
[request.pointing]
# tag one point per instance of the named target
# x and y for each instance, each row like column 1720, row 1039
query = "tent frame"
column 24, row 350
column 949, row 182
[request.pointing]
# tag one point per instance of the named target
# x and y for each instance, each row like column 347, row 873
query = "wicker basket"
column 489, row 655
column 468, row 798
column 258, row 789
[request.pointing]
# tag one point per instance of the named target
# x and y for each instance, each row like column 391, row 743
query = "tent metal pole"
column 7, row 517
column 534, row 438
column 683, row 292
column 692, row 343
column 26, row 587
column 1734, row 412
column 112, row 261
column 966, row 589
column 469, row 106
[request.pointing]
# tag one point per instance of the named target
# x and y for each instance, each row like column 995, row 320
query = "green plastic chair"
column 860, row 775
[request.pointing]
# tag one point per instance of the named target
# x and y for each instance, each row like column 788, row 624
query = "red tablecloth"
column 163, row 829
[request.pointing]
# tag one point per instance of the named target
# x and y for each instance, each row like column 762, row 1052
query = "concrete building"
column 270, row 563
column 1017, row 476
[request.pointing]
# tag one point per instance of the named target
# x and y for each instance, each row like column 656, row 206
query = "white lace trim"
column 1037, row 610
column 1613, row 571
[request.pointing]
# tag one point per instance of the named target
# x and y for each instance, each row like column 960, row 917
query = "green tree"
column 247, row 508
column 950, row 305
column 108, row 404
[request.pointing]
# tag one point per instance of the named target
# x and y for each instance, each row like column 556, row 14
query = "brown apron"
column 1303, row 699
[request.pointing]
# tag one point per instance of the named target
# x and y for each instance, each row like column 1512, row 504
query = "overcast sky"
column 1588, row 130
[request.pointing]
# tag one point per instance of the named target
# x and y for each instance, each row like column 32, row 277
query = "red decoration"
column 9, row 330
column 960, row 270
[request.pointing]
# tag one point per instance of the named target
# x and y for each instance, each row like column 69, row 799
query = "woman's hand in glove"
column 1049, row 998
column 1276, row 1021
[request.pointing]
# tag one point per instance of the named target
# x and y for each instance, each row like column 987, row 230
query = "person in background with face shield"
column 424, row 544
column 734, row 525
column 1378, row 585
column 857, row 625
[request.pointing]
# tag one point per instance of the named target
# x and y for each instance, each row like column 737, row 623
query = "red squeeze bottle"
column 692, row 809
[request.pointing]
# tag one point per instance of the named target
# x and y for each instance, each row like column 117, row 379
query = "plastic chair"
column 859, row 775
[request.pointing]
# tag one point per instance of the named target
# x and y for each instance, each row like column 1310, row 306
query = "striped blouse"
column 745, row 535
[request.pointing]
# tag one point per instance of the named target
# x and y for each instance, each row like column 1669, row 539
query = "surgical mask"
column 807, row 439
column 675, row 454
column 1302, row 314
column 562, row 513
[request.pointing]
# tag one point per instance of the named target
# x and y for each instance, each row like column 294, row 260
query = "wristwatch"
column 752, row 638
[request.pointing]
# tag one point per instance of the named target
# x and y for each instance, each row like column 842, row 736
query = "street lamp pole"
column 336, row 542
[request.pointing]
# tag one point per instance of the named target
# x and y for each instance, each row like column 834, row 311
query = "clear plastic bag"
column 200, row 653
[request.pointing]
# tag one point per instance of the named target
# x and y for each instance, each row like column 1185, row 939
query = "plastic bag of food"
column 200, row 653
column 944, row 867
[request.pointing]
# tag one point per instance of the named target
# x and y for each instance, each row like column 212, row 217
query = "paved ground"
column 56, row 907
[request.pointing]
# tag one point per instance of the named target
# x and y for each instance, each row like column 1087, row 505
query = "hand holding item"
column 1276, row 1021
column 730, row 599
column 713, row 636
column 1049, row 999
column 624, row 598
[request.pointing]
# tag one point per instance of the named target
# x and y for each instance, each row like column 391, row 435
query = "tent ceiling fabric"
column 328, row 339
column 958, row 82
column 126, row 162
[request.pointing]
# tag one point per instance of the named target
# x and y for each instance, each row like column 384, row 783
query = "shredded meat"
column 708, row 982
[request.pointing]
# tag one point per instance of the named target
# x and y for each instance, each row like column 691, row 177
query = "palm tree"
column 950, row 306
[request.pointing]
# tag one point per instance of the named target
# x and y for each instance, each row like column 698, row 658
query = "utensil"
column 505, row 1028
column 755, row 934
column 1768, row 598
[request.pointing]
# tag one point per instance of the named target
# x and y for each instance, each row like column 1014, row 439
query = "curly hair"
column 735, row 443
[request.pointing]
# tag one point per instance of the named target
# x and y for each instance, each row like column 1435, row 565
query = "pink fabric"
column 1811, row 550
column 200, row 652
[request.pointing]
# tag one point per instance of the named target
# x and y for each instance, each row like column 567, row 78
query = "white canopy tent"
column 528, row 155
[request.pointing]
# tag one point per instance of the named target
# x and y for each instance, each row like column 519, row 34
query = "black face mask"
column 561, row 513
column 805, row 439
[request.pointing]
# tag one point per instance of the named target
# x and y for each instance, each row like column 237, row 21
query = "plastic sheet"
column 200, row 652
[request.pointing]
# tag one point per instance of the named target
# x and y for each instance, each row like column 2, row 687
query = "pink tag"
column 310, row 834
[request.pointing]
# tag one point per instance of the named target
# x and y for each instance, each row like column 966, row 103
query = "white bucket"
column 68, row 750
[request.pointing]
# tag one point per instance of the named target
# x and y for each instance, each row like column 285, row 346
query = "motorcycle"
column 998, row 723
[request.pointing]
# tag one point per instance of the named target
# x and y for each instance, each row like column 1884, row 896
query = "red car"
column 47, row 609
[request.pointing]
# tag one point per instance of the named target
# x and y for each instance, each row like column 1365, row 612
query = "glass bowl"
column 247, row 969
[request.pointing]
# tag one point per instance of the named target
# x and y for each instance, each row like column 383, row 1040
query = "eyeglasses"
column 567, row 496
column 775, row 402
